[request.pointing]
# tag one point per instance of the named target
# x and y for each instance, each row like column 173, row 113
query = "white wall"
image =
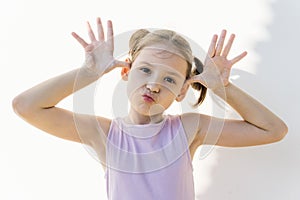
column 36, row 44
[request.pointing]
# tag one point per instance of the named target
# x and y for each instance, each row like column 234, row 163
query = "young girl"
column 147, row 154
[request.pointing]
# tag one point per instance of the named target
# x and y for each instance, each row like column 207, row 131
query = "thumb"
column 118, row 63
column 196, row 79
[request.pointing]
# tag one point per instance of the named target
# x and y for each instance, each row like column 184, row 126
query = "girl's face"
column 155, row 80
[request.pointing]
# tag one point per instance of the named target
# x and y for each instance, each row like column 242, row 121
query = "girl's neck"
column 137, row 118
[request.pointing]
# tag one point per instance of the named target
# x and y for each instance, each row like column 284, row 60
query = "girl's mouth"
column 148, row 98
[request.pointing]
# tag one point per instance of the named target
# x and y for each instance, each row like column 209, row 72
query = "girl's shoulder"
column 191, row 123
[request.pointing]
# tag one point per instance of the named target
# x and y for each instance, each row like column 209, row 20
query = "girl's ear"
column 183, row 91
column 124, row 73
column 125, row 70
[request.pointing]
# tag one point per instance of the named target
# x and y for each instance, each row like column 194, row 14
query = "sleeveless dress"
column 148, row 162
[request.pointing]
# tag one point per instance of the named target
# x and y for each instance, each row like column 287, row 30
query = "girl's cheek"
column 135, row 81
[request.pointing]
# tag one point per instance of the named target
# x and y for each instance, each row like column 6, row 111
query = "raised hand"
column 99, row 52
column 217, row 67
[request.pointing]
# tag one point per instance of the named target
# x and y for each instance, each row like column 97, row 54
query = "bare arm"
column 253, row 112
column 38, row 105
column 259, row 124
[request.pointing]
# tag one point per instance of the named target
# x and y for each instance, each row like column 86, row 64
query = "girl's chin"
column 156, row 109
column 149, row 110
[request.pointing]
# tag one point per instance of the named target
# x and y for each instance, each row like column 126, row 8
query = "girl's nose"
column 153, row 87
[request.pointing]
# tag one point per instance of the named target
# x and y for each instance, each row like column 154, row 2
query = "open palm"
column 217, row 66
column 99, row 52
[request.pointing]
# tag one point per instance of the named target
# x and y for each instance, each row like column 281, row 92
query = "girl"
column 147, row 154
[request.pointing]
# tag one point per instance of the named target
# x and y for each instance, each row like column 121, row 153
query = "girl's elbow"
column 284, row 131
column 280, row 131
column 19, row 107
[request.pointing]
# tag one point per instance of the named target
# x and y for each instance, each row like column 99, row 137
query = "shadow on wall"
column 269, row 171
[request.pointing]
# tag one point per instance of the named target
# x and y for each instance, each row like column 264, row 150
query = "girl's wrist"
column 222, row 89
column 90, row 69
column 90, row 72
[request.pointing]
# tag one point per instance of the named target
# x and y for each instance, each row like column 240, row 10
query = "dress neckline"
column 142, row 130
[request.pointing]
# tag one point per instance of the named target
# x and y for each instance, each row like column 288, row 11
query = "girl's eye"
column 145, row 70
column 170, row 80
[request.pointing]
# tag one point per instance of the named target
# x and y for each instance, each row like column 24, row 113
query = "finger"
column 238, row 58
column 196, row 79
column 228, row 46
column 100, row 30
column 220, row 43
column 211, row 49
column 118, row 63
column 90, row 32
column 80, row 40
column 110, row 34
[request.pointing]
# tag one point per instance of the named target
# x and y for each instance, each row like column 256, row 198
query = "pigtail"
column 198, row 86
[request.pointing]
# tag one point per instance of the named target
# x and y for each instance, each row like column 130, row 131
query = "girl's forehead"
column 163, row 51
column 163, row 57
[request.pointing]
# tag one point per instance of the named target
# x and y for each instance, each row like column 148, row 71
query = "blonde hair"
column 143, row 38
